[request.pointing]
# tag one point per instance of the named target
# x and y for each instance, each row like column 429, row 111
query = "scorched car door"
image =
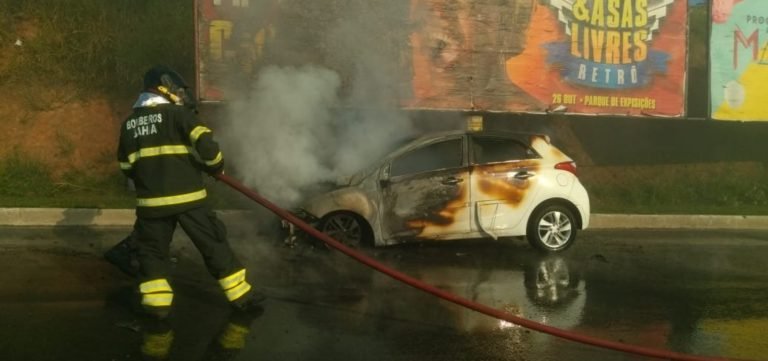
column 504, row 182
column 426, row 194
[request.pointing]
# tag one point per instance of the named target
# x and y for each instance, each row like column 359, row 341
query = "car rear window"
column 494, row 150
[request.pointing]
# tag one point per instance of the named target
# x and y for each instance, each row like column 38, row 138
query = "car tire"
column 347, row 228
column 552, row 229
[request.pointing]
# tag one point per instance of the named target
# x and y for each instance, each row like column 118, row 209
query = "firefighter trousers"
column 207, row 232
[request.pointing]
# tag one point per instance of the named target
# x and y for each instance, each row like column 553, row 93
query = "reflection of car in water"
column 459, row 185
column 543, row 289
column 402, row 318
column 550, row 283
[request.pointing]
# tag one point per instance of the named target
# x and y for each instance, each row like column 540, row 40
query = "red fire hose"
column 645, row 351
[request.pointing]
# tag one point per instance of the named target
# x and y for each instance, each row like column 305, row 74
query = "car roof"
column 408, row 143
column 523, row 137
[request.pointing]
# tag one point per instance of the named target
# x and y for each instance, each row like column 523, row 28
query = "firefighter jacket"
column 164, row 148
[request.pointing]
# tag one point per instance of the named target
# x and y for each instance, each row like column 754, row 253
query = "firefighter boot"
column 123, row 256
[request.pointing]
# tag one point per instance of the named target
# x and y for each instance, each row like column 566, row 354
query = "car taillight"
column 567, row 166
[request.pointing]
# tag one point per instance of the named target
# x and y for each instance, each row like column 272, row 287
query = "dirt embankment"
column 70, row 136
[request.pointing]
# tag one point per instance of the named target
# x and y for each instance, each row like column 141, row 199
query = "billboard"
column 578, row 56
column 625, row 57
column 739, row 60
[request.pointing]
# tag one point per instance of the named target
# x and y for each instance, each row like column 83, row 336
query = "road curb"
column 44, row 217
column 94, row 217
column 51, row 217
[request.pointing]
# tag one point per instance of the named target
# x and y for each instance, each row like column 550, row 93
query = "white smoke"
column 303, row 125
column 279, row 140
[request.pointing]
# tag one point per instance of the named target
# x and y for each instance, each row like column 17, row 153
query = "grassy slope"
column 706, row 188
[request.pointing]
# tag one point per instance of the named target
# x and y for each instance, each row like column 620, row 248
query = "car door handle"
column 452, row 180
column 523, row 175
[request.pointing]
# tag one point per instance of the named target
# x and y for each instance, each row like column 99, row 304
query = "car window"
column 492, row 150
column 441, row 155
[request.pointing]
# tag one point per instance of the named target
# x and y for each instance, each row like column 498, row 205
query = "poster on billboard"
column 231, row 38
column 576, row 56
column 739, row 60
column 618, row 57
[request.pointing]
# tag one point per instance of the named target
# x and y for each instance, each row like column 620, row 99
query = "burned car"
column 457, row 185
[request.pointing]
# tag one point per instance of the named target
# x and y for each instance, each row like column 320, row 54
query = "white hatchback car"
column 458, row 185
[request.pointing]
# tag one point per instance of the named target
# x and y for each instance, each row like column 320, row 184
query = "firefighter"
column 163, row 148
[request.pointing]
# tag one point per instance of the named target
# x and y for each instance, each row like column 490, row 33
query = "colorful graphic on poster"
column 576, row 56
column 231, row 40
column 739, row 60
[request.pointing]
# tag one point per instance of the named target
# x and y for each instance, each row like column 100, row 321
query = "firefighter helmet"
column 168, row 83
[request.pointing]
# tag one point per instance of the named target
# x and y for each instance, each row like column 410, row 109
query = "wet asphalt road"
column 704, row 293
